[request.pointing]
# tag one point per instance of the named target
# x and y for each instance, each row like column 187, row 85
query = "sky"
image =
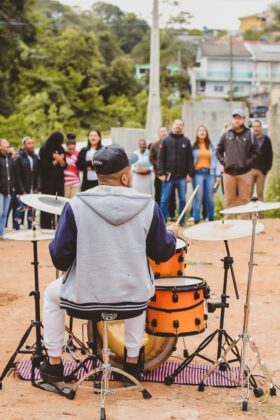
column 217, row 14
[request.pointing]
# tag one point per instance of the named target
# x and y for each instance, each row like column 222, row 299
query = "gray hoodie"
column 111, row 270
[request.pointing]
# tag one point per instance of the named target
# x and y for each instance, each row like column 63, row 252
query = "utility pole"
column 153, row 121
column 231, row 68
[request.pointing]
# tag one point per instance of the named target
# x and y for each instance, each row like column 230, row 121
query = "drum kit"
column 178, row 307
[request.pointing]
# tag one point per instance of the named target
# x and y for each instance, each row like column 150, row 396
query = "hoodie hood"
column 116, row 205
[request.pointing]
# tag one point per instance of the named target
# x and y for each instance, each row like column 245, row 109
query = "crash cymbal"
column 31, row 235
column 45, row 202
column 222, row 230
column 252, row 207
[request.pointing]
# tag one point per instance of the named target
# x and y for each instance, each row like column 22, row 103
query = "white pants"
column 54, row 324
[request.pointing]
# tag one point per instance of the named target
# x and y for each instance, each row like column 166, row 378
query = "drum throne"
column 104, row 371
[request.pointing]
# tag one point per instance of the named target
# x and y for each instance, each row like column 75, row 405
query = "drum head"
column 157, row 349
column 181, row 283
column 180, row 244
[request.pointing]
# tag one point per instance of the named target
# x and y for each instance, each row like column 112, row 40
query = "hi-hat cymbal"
column 222, row 230
column 31, row 235
column 45, row 202
column 252, row 207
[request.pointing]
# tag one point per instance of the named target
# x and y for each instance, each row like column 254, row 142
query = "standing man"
column 175, row 167
column 263, row 163
column 6, row 183
column 27, row 178
column 72, row 184
column 158, row 183
column 236, row 151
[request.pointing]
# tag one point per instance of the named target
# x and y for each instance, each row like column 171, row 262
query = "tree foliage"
column 65, row 69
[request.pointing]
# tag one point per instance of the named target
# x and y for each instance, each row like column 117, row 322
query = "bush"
column 273, row 194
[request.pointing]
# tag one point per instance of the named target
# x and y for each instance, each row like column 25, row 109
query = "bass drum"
column 157, row 349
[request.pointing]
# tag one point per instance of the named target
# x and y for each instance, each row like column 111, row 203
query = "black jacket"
column 237, row 151
column 27, row 179
column 82, row 165
column 52, row 176
column 175, row 156
column 7, row 175
column 263, row 161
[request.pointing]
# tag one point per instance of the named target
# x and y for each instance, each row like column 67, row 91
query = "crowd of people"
column 240, row 162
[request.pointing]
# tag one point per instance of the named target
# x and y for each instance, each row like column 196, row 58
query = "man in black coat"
column 175, row 167
column 27, row 177
column 6, row 183
column 263, row 163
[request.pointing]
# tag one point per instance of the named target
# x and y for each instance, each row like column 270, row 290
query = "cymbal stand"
column 37, row 349
column 247, row 344
column 221, row 333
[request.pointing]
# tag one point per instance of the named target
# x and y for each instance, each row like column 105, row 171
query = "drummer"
column 102, row 242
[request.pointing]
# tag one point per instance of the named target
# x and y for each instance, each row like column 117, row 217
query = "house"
column 223, row 67
column 237, row 67
column 257, row 21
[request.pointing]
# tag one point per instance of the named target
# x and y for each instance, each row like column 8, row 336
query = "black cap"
column 111, row 159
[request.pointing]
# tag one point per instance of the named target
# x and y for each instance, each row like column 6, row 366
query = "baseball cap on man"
column 239, row 112
column 111, row 159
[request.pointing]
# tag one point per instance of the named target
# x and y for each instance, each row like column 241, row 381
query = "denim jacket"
column 215, row 166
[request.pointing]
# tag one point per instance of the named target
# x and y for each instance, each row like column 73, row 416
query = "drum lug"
column 176, row 324
column 181, row 258
column 175, row 298
column 154, row 298
column 156, row 275
column 205, row 317
column 196, row 295
column 179, row 273
column 206, row 292
column 197, row 321
column 154, row 323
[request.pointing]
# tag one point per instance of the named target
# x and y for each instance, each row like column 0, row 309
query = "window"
column 218, row 88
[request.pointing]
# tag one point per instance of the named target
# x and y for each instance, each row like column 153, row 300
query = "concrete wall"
column 127, row 137
column 211, row 113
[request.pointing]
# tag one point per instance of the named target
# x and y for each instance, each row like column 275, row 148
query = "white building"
column 243, row 67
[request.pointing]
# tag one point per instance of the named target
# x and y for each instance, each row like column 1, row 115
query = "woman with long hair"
column 206, row 173
column 52, row 165
column 84, row 162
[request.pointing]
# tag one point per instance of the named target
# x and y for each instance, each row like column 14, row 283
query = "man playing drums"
column 109, row 220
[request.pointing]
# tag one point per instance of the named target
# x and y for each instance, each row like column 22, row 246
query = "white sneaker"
column 191, row 219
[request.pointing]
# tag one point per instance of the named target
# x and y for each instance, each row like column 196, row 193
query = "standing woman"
column 142, row 180
column 84, row 162
column 206, row 173
column 52, row 165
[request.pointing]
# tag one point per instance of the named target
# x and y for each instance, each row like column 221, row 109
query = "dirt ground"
column 19, row 400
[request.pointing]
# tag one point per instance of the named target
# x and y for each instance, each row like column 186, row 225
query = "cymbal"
column 45, row 202
column 31, row 235
column 222, row 230
column 252, row 207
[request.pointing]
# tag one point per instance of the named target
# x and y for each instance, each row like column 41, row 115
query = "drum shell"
column 175, row 266
column 177, row 310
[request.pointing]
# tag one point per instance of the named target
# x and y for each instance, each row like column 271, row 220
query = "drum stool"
column 106, row 369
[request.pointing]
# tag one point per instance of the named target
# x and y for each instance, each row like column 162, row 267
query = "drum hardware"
column 37, row 350
column 247, row 342
column 218, row 231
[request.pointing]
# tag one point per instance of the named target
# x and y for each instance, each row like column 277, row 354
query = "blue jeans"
column 205, row 192
column 181, row 186
column 4, row 207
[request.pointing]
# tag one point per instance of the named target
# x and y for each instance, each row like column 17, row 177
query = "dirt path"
column 19, row 400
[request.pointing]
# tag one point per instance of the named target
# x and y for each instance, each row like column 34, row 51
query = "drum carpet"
column 191, row 375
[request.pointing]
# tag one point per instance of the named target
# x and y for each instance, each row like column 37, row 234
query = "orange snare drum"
column 177, row 309
column 175, row 265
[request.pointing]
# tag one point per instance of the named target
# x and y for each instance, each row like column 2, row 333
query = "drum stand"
column 247, row 343
column 221, row 333
column 37, row 349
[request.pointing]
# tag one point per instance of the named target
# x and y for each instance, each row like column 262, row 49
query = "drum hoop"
column 184, row 334
column 170, row 311
column 200, row 286
column 183, row 248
